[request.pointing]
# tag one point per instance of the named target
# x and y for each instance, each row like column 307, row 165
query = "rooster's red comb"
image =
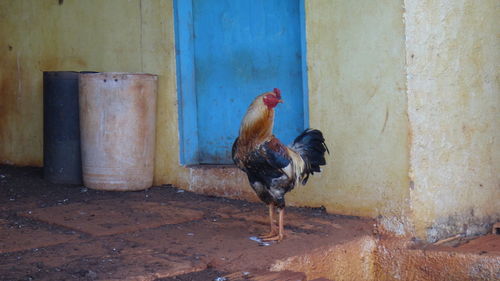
column 277, row 92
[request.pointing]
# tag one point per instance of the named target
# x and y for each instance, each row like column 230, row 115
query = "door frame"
column 186, row 88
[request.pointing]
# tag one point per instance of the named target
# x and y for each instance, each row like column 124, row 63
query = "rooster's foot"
column 276, row 237
column 273, row 233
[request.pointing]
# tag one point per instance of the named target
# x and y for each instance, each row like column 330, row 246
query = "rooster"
column 274, row 169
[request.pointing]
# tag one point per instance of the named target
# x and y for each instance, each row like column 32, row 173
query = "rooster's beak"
column 281, row 101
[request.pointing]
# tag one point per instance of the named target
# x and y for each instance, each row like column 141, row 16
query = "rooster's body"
column 274, row 169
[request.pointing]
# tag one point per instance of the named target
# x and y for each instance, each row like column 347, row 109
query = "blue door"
column 228, row 52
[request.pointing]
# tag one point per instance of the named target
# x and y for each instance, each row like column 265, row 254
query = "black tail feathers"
column 311, row 146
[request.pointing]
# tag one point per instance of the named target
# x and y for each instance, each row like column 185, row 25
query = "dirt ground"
column 67, row 232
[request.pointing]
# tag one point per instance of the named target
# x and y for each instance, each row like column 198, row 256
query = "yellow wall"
column 425, row 155
column 111, row 35
column 357, row 96
column 454, row 111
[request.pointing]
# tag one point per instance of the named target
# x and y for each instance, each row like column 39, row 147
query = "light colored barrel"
column 117, row 126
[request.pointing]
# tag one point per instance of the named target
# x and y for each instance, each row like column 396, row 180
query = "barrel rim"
column 118, row 74
column 65, row 75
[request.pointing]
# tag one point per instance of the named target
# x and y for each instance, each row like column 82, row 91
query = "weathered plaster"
column 42, row 36
column 357, row 96
column 454, row 113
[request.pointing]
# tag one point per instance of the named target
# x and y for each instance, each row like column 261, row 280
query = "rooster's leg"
column 272, row 233
column 281, row 230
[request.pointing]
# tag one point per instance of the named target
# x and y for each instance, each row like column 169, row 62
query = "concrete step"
column 265, row 276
